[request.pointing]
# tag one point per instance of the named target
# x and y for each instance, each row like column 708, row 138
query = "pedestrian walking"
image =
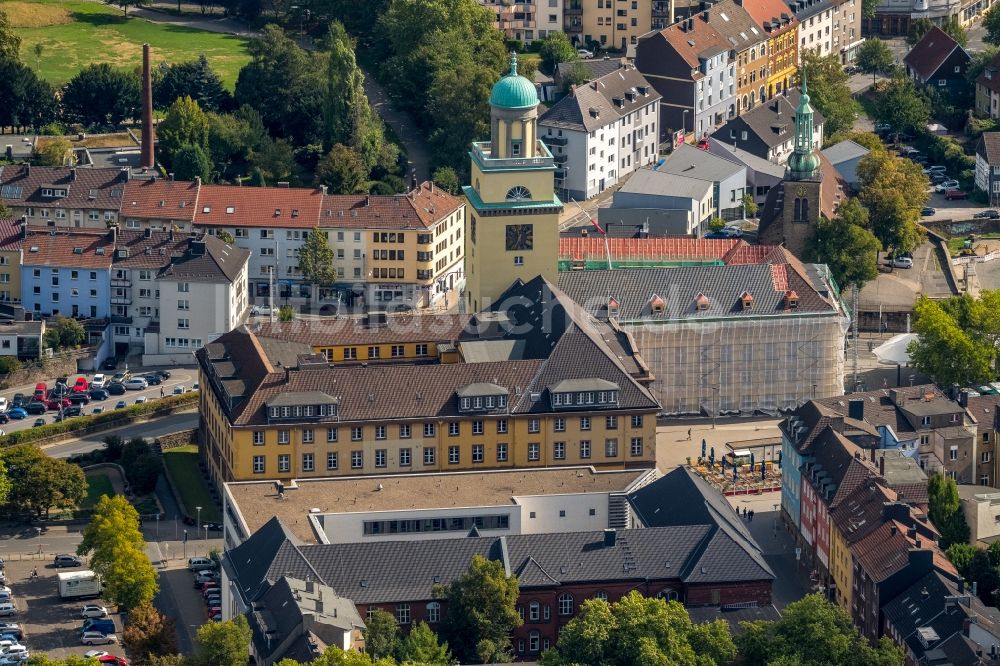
column 744, row 512
column 689, row 434
column 751, row 515
column 161, row 391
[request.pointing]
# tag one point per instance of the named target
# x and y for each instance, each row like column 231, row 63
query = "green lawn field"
column 98, row 485
column 76, row 33
column 182, row 466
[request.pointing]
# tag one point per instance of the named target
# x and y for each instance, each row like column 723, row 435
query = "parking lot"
column 50, row 624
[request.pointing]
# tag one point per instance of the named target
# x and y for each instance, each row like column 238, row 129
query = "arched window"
column 565, row 604
column 667, row 594
column 534, row 609
column 518, row 193
column 801, row 210
column 433, row 612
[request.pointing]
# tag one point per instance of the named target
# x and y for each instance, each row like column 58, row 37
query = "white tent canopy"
column 893, row 351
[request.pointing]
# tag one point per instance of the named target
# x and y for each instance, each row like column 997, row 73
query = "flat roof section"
column 257, row 501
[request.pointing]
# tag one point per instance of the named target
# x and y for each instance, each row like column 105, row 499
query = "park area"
column 72, row 34
column 182, row 466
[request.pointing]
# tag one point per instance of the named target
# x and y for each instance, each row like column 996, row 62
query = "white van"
column 199, row 563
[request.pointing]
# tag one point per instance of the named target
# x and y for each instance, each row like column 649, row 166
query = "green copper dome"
column 513, row 91
column 803, row 164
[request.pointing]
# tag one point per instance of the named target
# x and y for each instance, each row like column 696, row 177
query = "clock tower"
column 512, row 230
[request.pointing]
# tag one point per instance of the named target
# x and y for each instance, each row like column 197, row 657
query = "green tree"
column 27, row 100
column 902, row 107
column 846, row 246
column 961, row 554
column 53, row 483
column 874, row 57
column 10, row 40
column 828, row 91
column 447, row 179
column 234, row 138
column 984, row 574
column 184, row 124
column 957, row 339
column 749, row 206
column 148, row 633
column 716, row 224
column 344, row 101
column 918, row 29
column 459, row 110
column 224, row 643
column 56, row 152
column 316, row 260
column 482, row 612
column 812, row 632
column 577, row 75
column 952, row 26
column 194, row 79
column 286, row 313
column 893, row 190
column 554, row 49
column 993, row 552
column 342, row 171
column 64, row 332
column 945, row 510
column 285, row 84
column 991, row 22
column 381, row 634
column 421, row 646
column 113, row 447
column 225, row 237
column 100, row 96
column 276, row 160
column 118, row 552
column 189, row 162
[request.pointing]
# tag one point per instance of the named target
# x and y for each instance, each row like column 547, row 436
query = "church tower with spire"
column 792, row 209
column 512, row 230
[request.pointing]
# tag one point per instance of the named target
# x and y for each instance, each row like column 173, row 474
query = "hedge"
column 109, row 417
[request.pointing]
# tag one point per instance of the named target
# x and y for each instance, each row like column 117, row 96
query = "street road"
column 149, row 429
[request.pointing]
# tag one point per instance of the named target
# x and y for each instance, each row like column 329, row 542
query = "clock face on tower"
column 520, row 237
column 800, row 191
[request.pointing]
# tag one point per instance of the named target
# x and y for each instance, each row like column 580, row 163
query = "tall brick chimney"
column 147, row 159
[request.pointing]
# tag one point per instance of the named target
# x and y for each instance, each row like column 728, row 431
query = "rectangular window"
column 284, row 462
column 258, row 464
column 560, row 425
column 350, row 353
column 403, row 613
column 584, row 423
column 953, row 453
column 331, row 460
column 984, row 457
column 380, row 457
column 428, row 430
column 357, row 459
column 430, row 454
column 534, row 425
column 307, row 462
column 380, row 432
column 307, row 436
column 584, row 448
column 258, row 438
column 453, row 429
column 477, row 453
column 453, row 455
column 559, row 450
column 611, row 448
column 610, row 422
column 331, row 434
column 501, row 452
column 637, row 420
column 356, row 433
column 404, row 431
column 636, row 447
column 534, row 451
column 398, row 351
column 373, row 352
column 405, row 457
column 477, row 427
column 501, row 425
column 283, row 437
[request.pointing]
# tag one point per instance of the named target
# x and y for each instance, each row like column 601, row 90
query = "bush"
column 80, row 422
column 286, row 313
column 9, row 364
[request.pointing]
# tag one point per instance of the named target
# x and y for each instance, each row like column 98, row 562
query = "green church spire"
column 803, row 163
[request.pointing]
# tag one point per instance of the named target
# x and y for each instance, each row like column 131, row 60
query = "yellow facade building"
column 782, row 30
column 513, row 224
column 458, row 393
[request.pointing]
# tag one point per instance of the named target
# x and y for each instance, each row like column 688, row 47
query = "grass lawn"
column 75, row 33
column 182, row 466
column 956, row 244
column 97, row 485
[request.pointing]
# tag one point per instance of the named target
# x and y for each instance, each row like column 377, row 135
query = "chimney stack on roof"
column 146, row 156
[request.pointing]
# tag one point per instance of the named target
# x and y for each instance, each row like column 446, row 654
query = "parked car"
column 988, row 214
column 36, row 407
column 78, row 399
column 136, row 384
column 725, row 232
column 97, row 638
column 112, row 660
column 41, row 389
column 98, row 381
column 80, row 384
column 153, row 379
column 901, row 262
column 3, row 404
column 205, row 575
column 259, row 310
column 17, row 413
column 57, row 403
column 17, row 400
column 8, row 609
column 116, row 388
column 935, row 168
column 584, row 53
column 163, row 373
column 946, row 184
column 71, row 411
column 199, row 563
column 92, row 610
column 140, row 400
column 40, row 421
column 178, row 389
column 65, row 560
column 951, row 195
column 12, row 628
column 18, row 650
column 109, row 363
column 927, row 211
column 4, row 418
column 121, row 404
column 98, row 394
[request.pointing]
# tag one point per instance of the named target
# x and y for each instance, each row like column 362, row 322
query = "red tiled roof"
column 927, row 55
column 45, row 247
column 10, row 234
column 594, row 248
column 268, row 207
column 160, row 199
column 690, row 44
column 86, row 187
column 764, row 11
column 420, row 209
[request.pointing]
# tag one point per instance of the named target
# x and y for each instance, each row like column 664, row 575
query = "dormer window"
column 613, row 305
column 46, row 191
column 481, row 396
column 746, row 300
column 277, row 212
column 657, row 305
column 791, row 300
column 701, row 302
column 298, row 405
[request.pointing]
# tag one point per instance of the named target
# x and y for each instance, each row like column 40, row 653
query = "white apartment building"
column 816, row 26
column 527, row 20
column 601, row 132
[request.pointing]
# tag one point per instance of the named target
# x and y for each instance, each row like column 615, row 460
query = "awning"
column 893, row 351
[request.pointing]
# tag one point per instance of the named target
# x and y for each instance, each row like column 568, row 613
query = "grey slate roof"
column 397, row 571
column 597, row 67
column 633, row 288
column 692, row 162
column 774, row 122
column 843, row 151
column 648, row 181
column 219, row 261
column 249, row 563
column 757, row 164
column 577, row 109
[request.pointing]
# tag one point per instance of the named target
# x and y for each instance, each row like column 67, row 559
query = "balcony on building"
column 121, row 282
column 661, row 10
column 555, row 140
column 482, row 153
column 560, row 159
column 573, row 8
column 121, row 300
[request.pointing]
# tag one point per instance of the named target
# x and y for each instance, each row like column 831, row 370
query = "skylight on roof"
column 753, row 29
column 723, row 15
column 230, row 210
column 206, row 209
column 744, row 35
